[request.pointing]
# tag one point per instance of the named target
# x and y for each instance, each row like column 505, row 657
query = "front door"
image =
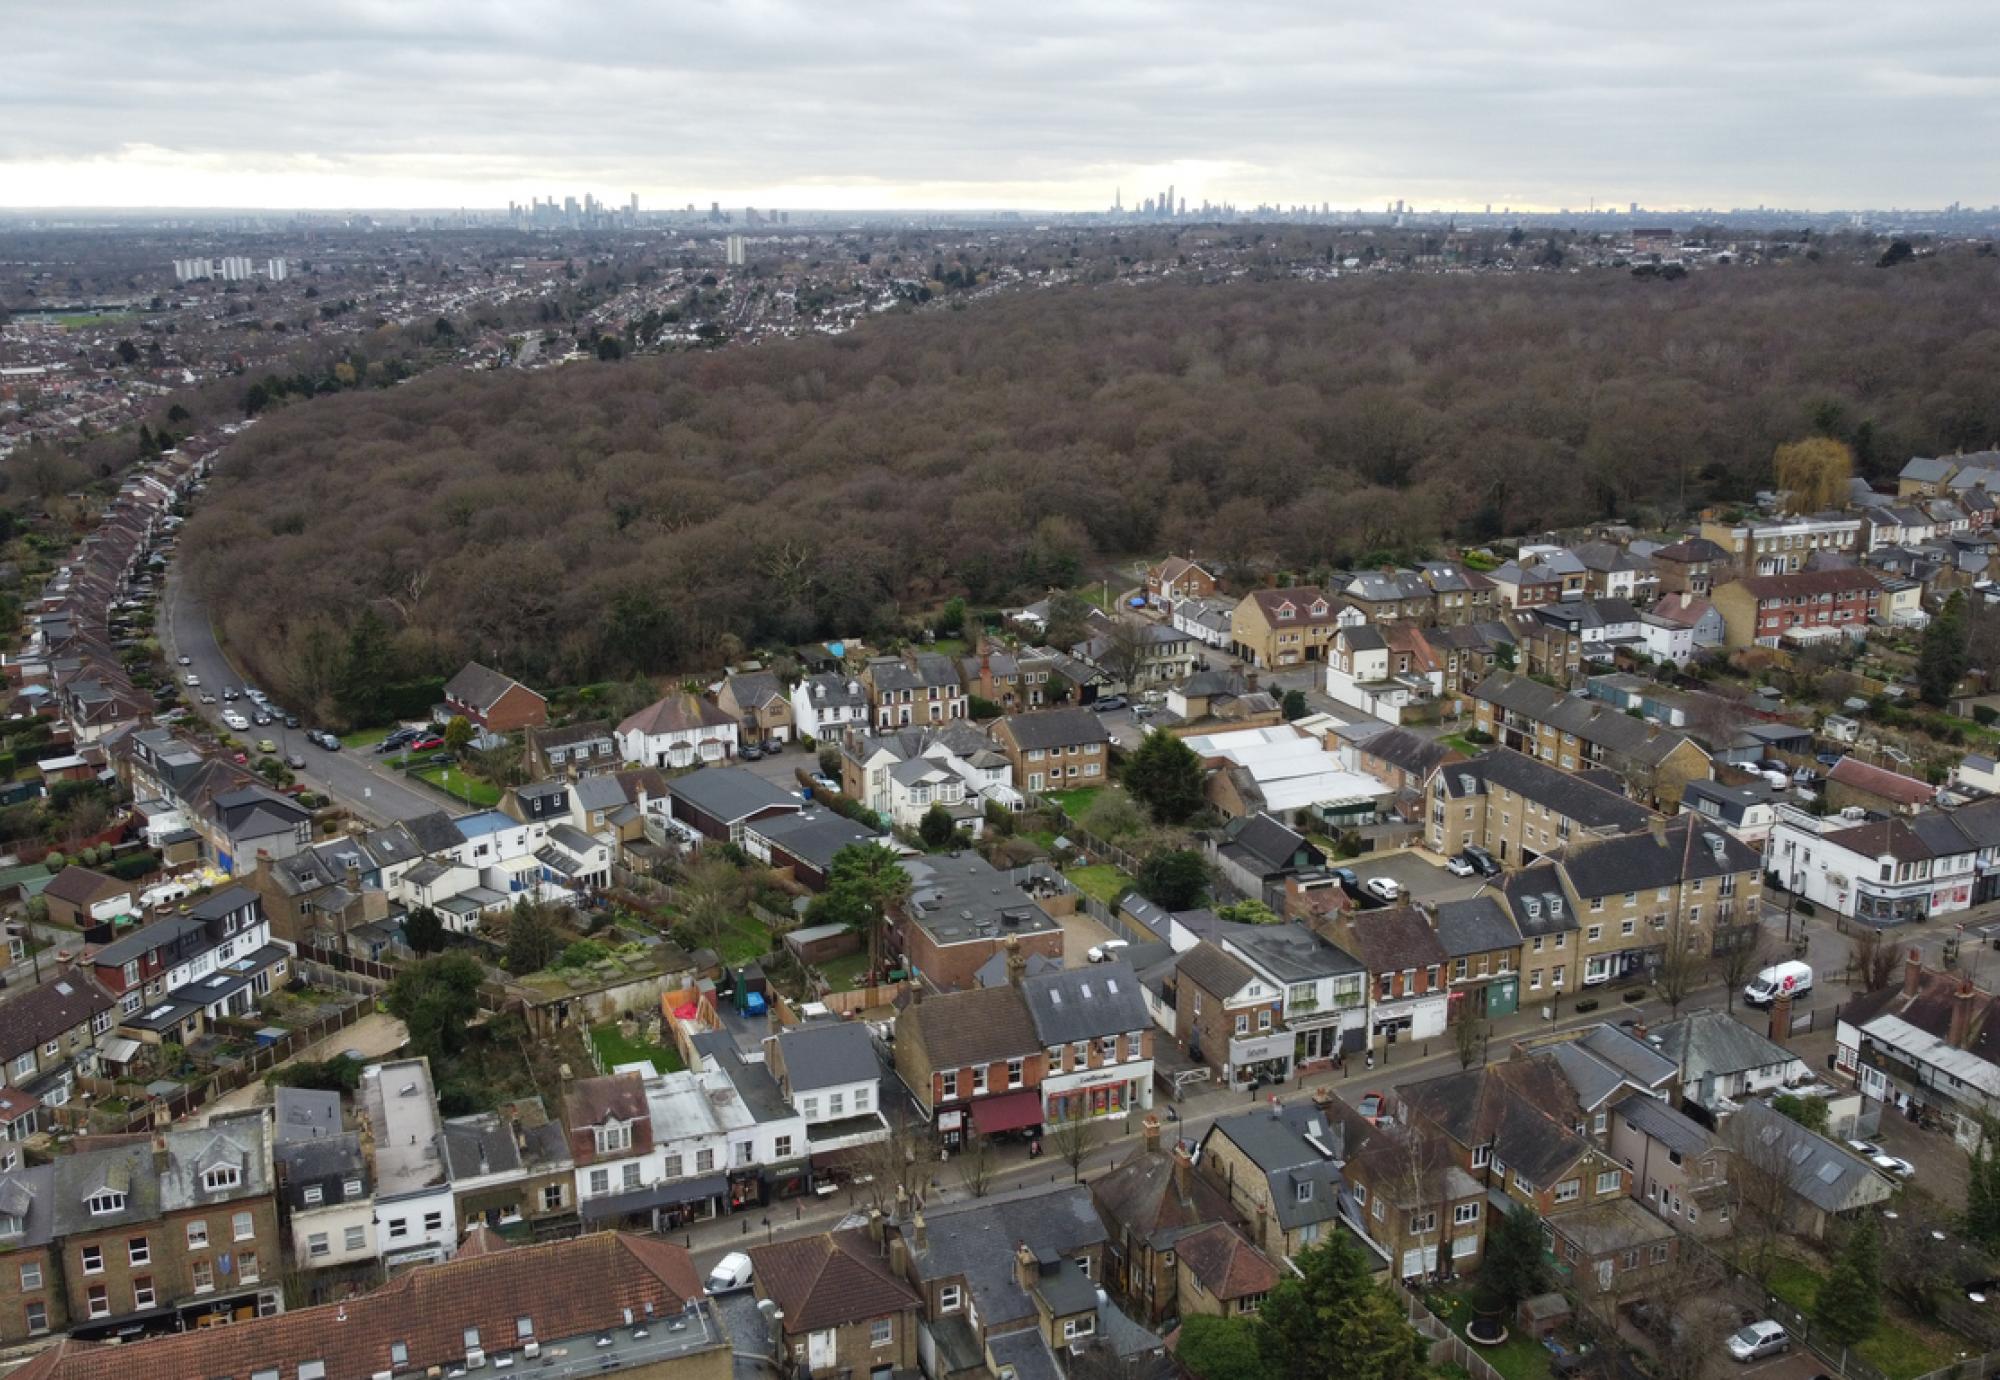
column 819, row 1350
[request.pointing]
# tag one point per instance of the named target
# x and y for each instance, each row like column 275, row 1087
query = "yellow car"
column 266, row 745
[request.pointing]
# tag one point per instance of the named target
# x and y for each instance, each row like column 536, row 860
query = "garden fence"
column 1446, row 1345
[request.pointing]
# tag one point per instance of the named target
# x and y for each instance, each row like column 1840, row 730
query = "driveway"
column 1080, row 934
column 1421, row 879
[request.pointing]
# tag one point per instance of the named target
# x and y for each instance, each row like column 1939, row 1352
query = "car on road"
column 208, row 697
column 191, row 679
column 1758, row 1340
column 262, row 720
column 265, row 745
column 1486, row 863
column 235, row 720
column 185, row 660
column 295, row 762
column 291, row 721
column 321, row 738
column 1108, row 950
column 731, row 1273
column 1458, row 865
column 1383, row 888
column 229, row 695
column 1107, row 704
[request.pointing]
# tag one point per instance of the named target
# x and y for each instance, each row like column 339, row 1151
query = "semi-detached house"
column 1055, row 749
column 1806, row 606
column 49, row 1035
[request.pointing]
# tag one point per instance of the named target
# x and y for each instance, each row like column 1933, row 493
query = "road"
column 355, row 779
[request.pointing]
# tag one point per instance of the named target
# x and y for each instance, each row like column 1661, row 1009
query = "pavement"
column 354, row 779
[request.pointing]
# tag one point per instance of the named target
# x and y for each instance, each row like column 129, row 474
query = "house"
column 1152, row 1204
column 972, row 1062
column 1055, row 749
column 1256, row 854
column 1613, row 571
column 1822, row 1180
column 1483, row 958
column 1540, row 906
column 1930, row 1043
column 678, row 731
column 902, row 774
column 1580, row 734
column 212, row 957
column 496, row 703
column 1220, row 1273
column 1178, row 578
column 920, row 689
column 825, row 705
column 1784, row 546
column 1678, row 1168
column 1207, row 621
column 842, row 1304
column 1381, row 670
column 758, row 702
column 1228, row 1017
column 1405, row 964
column 325, row 1186
column 1389, row 596
column 828, row 1072
column 1679, row 627
column 1280, row 1168
column 1325, row 989
column 49, row 1036
column 1128, row 653
column 1463, row 597
column 1613, row 1249
column 1403, row 761
column 722, row 802
column 32, row 1300
column 804, row 843
column 248, row 824
column 564, row 1297
column 1409, row 1198
column 1099, row 1041
column 415, row 1221
column 962, row 911
column 1747, row 811
column 571, row 750
column 1538, row 575
column 1461, row 656
column 1286, row 627
column 1690, row 566
column 1851, row 782
column 1890, row 870
column 1210, row 698
column 1801, row 607
column 511, row 1169
column 171, row 1231
column 83, row 899
column 1721, row 1061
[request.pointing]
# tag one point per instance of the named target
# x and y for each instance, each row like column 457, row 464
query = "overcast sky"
column 1011, row 103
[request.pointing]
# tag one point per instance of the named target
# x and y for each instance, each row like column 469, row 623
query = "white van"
column 1791, row 978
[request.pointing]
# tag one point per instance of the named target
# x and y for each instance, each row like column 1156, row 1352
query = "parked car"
column 429, row 742
column 266, row 746
column 1349, row 882
column 1486, row 863
column 773, row 746
column 295, row 762
column 1105, row 704
column 826, row 785
column 1894, row 1165
column 192, row 679
column 1758, row 1340
column 229, row 695
column 1458, row 865
column 262, row 720
column 1371, row 1106
column 325, row 739
column 185, row 660
column 1143, row 711
column 731, row 1273
column 208, row 697
column 1108, row 950
column 750, row 752
column 291, row 721
column 235, row 720
column 1383, row 888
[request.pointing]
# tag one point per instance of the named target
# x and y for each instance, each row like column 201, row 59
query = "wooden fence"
column 1446, row 1345
column 348, row 963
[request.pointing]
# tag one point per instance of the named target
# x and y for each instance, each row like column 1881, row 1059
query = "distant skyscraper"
column 1170, row 198
column 733, row 251
column 635, row 203
column 276, row 270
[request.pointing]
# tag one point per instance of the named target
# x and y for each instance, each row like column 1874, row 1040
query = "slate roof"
column 1687, row 849
column 1410, row 752
column 1050, row 728
column 1713, row 1042
column 1475, row 925
column 680, row 712
column 434, row 832
column 481, row 687
column 1225, row 1262
column 1675, row 1130
column 828, row 1280
column 1525, row 1109
column 1536, row 899
column 1220, row 974
column 729, row 794
column 977, row 1241
column 1826, row 1174
column 1592, row 721
column 1085, row 1003
column 480, row 1144
column 34, row 1017
column 826, row 1054
column 982, row 1026
column 814, row 836
column 126, row 1169
column 1145, row 1194
column 752, row 690
column 80, row 886
column 1302, row 1144
column 1566, row 793
column 922, row 671
column 1273, row 844
column 1809, row 582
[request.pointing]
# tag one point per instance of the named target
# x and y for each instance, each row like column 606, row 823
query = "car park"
column 1458, row 865
column 1758, row 1340
column 1383, row 888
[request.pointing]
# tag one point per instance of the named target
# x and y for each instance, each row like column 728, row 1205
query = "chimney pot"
column 1913, row 973
column 1026, row 1270
column 1150, row 1129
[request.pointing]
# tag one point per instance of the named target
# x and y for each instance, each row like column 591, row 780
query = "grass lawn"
column 743, row 940
column 1099, row 881
column 1074, row 802
column 614, row 1049
column 948, row 646
column 1898, row 1350
column 78, row 319
column 843, row 974
column 459, row 786
column 1462, row 744
column 1520, row 1357
column 364, row 738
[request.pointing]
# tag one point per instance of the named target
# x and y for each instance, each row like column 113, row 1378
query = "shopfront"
column 1112, row 1091
column 1260, row 1059
column 1017, row 1113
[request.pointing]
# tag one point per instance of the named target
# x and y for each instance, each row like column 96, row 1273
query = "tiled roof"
column 1806, row 582
column 980, row 1026
column 1890, row 785
column 40, row 1014
column 1225, row 1262
column 1215, row 972
column 827, row 1280
column 677, row 713
column 1049, row 728
column 480, row 686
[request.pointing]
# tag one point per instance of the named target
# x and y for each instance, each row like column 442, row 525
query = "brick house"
column 32, row 1301
column 572, row 749
column 1151, row 1204
column 1584, row 735
column 1177, row 578
column 1228, row 1017
column 1280, row 1169
column 1221, row 1273
column 81, row 898
column 973, row 1062
column 844, row 1307
column 1093, row 1024
column 1408, row 994
column 1286, row 627
column 920, row 689
column 494, row 702
column 1055, row 749
column 1413, row 1201
column 49, row 1035
column 1519, row 809
column 962, row 912
column 1690, row 566
column 758, row 701
column 1762, row 610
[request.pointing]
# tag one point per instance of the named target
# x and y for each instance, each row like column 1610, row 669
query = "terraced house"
column 1584, row 735
column 1682, row 881
column 1519, row 809
column 920, row 689
column 1288, row 627
column 48, row 1038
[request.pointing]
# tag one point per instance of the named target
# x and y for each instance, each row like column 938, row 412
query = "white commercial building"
column 414, row 1219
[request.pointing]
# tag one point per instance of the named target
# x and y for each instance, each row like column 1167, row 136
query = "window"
column 399, row 1227
column 317, row 1245
column 1079, row 1054
column 399, row 1354
column 745, row 1152
column 1303, row 1192
column 978, row 1085
column 1135, row 1046
column 1421, row 1222
column 1482, row 1155
column 1243, row 1024
column 38, row 1317
column 139, row 1251
column 356, row 1239
column 1107, row 1048
column 1594, row 933
column 1463, row 1246
column 1263, row 1022
column 105, row 1202
column 472, row 1339
column 1660, row 1253
column 244, row 1227
column 197, row 1235
column 142, row 1291
column 881, row 1332
column 614, row 1137
column 948, row 1087
column 783, row 1147
column 600, row 1181
column 1464, row 1214
column 836, row 1103
column 1597, row 1123
column 221, row 1176
column 1569, row 1190
column 671, row 1166
column 1610, row 1181
column 1079, row 1327
column 31, row 1275
column 704, row 1161
column 949, row 1298
column 1627, row 926
column 100, row 1301
column 1361, row 1194
column 1014, row 1073
column 203, row 1275
column 93, row 1260
column 352, row 1188
column 314, row 1195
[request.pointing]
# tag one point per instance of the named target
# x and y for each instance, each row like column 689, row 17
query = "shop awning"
column 1010, row 1111
column 659, row 1195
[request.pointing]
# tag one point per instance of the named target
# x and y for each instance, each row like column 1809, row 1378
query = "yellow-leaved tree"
column 1813, row 473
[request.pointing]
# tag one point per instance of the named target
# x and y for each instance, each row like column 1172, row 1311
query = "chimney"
column 1250, row 681
column 1657, row 827
column 875, row 1225
column 1183, row 1174
column 902, row 1201
column 1150, row 1130
column 899, row 1255
column 1781, row 1019
column 1026, row 1271
column 921, row 1232
column 1964, row 1004
column 1913, row 973
column 1017, row 962
column 1264, row 1226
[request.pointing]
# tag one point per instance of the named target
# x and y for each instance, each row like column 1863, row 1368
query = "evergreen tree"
column 936, row 828
column 532, row 942
column 364, row 671
column 436, row 998
column 1334, row 1322
column 424, row 931
column 1848, row 1307
column 1166, row 777
column 1513, row 1268
column 1945, row 654
column 1220, row 1348
column 1174, row 878
column 1982, row 1193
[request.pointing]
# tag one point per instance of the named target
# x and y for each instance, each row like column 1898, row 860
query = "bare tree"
column 1123, row 650
column 1760, row 1171
column 1871, row 960
column 976, row 1166
column 1073, row 1141
column 1685, row 1320
column 1468, row 1040
column 891, row 1169
column 1735, row 963
column 1683, row 962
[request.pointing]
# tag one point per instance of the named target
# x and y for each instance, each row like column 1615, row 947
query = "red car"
column 428, row 743
column 1372, row 1106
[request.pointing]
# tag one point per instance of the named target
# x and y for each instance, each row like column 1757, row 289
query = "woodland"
column 656, row 514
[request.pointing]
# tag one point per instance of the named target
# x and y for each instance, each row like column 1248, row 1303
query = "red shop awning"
column 1008, row 1111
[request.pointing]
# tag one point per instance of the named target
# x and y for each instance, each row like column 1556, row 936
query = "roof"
column 1592, row 721
column 1049, row 728
column 1826, row 1174
column 1880, row 781
column 1226, row 1264
column 976, row 1242
column 1706, row 1042
column 1301, row 598
column 1476, row 925
column 680, row 712
column 826, row 1280
column 481, row 687
column 80, row 886
column 1566, row 793
column 1611, row 1227
column 1085, row 1003
column 1677, row 1131
column 565, row 1289
column 1218, row 973
column 1683, row 849
column 1804, row 582
column 729, row 794
column 755, row 689
column 40, row 1014
column 1393, row 939
column 981, row 1026
column 813, row 836
column 1299, row 1144
column 1525, row 1110
column 1157, row 1194
column 827, row 1054
column 1274, row 844
column 1286, row 953
column 305, row 1114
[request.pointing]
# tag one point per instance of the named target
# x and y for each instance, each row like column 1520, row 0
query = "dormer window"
column 105, row 1202
column 10, row 1225
column 614, row 1137
column 221, row 1176
column 1319, row 609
